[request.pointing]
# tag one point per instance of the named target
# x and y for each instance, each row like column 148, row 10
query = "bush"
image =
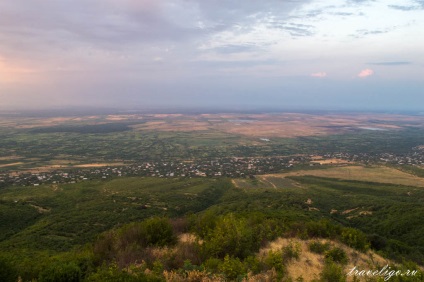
column 113, row 274
column 266, row 229
column 337, row 255
column 232, row 268
column 253, row 264
column 104, row 247
column 156, row 231
column 240, row 235
column 322, row 229
column 318, row 247
column 355, row 239
column 61, row 271
column 128, row 243
column 180, row 225
column 274, row 260
column 231, row 235
column 291, row 251
column 188, row 266
column 202, row 224
column 332, row 273
column 377, row 242
column 157, row 267
column 212, row 264
column 186, row 251
column 8, row 272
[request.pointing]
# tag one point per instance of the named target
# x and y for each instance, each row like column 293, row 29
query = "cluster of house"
column 220, row 167
column 224, row 167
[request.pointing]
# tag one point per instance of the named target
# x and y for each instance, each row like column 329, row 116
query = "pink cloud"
column 365, row 73
column 319, row 74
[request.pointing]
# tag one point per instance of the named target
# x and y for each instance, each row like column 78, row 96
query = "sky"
column 286, row 54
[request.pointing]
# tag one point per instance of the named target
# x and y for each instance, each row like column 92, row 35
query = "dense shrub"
column 266, row 229
column 212, row 264
column 186, row 251
column 355, row 238
column 232, row 268
column 337, row 255
column 112, row 273
column 318, row 247
column 274, row 260
column 377, row 242
column 231, row 235
column 291, row 251
column 188, row 266
column 202, row 224
column 154, row 231
column 128, row 243
column 322, row 229
column 157, row 267
column 180, row 225
column 7, row 271
column 415, row 273
column 332, row 273
column 253, row 264
column 400, row 250
column 61, row 271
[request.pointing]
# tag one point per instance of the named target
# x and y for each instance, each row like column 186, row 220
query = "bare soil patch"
column 322, row 161
column 11, row 164
column 9, row 158
column 98, row 165
column 177, row 125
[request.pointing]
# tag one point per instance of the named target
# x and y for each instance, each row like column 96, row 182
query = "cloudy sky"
column 317, row 54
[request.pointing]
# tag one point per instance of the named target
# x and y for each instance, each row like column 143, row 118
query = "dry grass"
column 349, row 211
column 188, row 238
column 248, row 184
column 123, row 117
column 296, row 124
column 276, row 125
column 175, row 125
column 9, row 158
column 378, row 174
column 235, row 183
column 310, row 265
column 62, row 165
column 98, row 165
column 252, row 125
column 11, row 164
column 318, row 160
column 40, row 209
column 192, row 276
column 269, row 129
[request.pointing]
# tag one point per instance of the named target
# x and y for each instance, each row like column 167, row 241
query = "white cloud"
column 365, row 73
column 319, row 74
column 135, row 45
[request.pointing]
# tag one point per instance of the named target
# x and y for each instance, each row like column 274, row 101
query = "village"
column 232, row 167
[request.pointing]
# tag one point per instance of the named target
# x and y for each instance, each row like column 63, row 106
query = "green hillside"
column 98, row 228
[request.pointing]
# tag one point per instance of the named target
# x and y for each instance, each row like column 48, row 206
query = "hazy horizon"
column 350, row 55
